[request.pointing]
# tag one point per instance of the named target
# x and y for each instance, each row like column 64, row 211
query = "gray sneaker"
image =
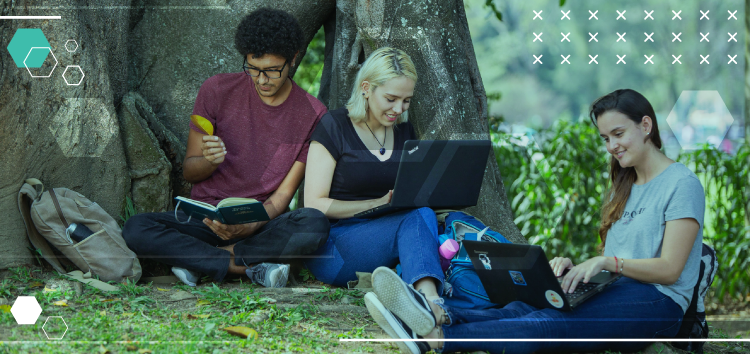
column 270, row 275
column 188, row 277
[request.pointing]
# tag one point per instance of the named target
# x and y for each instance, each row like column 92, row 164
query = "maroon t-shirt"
column 262, row 141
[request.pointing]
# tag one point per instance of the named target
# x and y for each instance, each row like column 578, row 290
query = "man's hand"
column 582, row 272
column 213, row 149
column 232, row 232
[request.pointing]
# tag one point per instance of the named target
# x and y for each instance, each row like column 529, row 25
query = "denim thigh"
column 626, row 309
column 361, row 245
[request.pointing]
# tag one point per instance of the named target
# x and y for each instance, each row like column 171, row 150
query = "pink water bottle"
column 448, row 249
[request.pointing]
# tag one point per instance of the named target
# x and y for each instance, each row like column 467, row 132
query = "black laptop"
column 511, row 272
column 437, row 174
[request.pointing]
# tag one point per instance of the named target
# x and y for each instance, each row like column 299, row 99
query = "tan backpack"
column 103, row 254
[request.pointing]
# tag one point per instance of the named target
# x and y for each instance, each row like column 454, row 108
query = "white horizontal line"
column 550, row 340
column 29, row 17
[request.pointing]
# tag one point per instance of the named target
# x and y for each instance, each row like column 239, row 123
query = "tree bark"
column 449, row 100
column 67, row 136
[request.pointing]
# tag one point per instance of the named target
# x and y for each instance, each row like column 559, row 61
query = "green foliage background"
column 556, row 183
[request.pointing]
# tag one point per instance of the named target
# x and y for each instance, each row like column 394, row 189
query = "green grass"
column 140, row 316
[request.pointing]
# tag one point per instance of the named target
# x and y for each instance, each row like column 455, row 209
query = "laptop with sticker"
column 511, row 272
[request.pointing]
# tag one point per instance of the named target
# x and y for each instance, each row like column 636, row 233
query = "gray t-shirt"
column 676, row 193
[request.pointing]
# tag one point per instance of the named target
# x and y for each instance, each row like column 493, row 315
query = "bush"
column 726, row 181
column 556, row 183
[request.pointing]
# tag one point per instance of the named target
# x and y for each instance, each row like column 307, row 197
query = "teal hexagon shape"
column 22, row 42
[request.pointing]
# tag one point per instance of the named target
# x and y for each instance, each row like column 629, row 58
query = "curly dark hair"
column 269, row 31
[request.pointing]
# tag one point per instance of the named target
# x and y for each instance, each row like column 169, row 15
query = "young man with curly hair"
column 262, row 125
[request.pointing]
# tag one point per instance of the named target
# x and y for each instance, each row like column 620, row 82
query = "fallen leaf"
column 108, row 300
column 61, row 303
column 103, row 350
column 160, row 289
column 192, row 317
column 203, row 302
column 5, row 308
column 131, row 348
column 36, row 284
column 102, row 313
column 181, row 295
column 242, row 331
column 144, row 351
column 49, row 290
column 128, row 314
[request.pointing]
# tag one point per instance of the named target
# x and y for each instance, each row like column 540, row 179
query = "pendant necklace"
column 382, row 146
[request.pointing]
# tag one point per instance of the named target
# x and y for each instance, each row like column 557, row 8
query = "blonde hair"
column 382, row 65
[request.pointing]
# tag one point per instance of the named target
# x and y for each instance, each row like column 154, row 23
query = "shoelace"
column 258, row 274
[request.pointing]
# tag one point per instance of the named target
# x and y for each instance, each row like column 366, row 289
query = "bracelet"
column 622, row 264
column 615, row 264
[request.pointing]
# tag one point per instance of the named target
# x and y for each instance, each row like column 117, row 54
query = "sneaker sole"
column 387, row 323
column 395, row 295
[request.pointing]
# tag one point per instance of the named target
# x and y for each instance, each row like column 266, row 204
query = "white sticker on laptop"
column 554, row 298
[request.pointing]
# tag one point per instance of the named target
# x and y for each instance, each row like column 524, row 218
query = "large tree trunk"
column 449, row 101
column 82, row 137
column 67, row 136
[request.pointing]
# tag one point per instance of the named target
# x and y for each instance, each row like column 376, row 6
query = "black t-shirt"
column 359, row 175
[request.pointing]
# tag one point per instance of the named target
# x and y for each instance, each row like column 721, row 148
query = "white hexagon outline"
column 66, row 45
column 79, row 69
column 695, row 146
column 27, row 57
column 14, row 312
column 45, row 331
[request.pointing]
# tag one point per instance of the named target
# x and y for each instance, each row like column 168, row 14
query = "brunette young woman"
column 651, row 231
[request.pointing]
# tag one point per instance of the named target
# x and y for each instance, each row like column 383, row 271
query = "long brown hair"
column 634, row 106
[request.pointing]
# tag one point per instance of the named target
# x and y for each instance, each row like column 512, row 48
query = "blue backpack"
column 463, row 289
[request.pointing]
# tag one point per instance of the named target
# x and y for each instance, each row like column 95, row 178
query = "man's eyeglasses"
column 255, row 72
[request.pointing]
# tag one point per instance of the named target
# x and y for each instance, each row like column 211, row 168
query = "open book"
column 230, row 211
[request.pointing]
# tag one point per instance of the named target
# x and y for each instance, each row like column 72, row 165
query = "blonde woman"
column 352, row 164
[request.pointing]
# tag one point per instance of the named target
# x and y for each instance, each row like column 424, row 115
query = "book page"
column 195, row 202
column 235, row 201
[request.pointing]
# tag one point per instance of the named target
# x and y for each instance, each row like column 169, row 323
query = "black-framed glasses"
column 255, row 72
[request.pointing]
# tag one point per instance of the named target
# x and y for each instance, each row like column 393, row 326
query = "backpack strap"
column 57, row 207
column 26, row 196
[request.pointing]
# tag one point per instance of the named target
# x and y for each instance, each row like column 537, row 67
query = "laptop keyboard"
column 581, row 289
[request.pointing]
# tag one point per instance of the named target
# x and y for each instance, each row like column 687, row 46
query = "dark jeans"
column 625, row 309
column 193, row 245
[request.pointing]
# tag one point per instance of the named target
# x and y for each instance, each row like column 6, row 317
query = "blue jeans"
column 625, row 309
column 361, row 245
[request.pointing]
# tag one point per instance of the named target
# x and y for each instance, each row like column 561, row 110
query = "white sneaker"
column 395, row 327
column 403, row 300
column 188, row 277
